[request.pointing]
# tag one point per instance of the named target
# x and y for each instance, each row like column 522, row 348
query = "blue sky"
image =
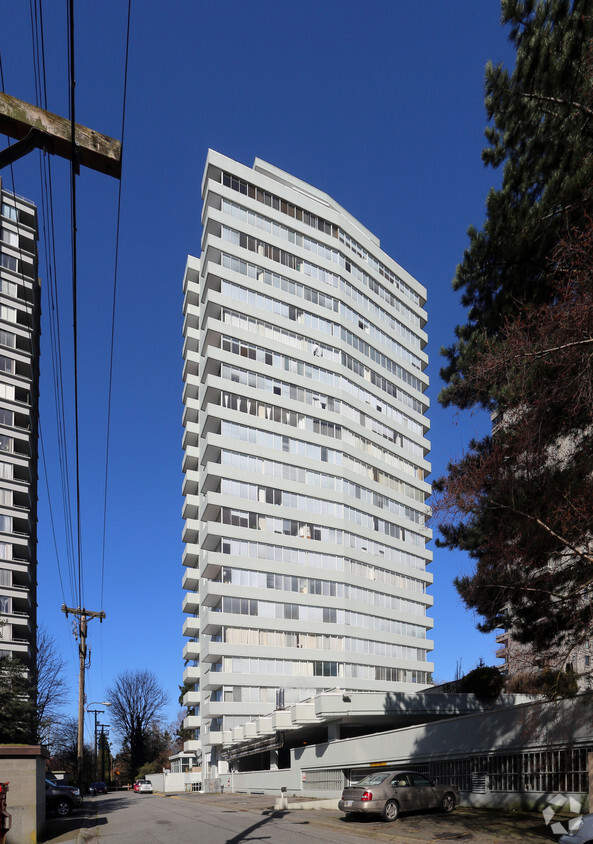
column 379, row 104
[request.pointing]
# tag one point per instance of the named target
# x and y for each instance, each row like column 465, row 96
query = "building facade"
column 19, row 375
column 304, row 457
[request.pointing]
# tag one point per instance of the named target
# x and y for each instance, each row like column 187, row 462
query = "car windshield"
column 372, row 779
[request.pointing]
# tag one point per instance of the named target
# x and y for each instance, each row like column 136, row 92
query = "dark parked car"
column 61, row 798
column 387, row 793
column 97, row 788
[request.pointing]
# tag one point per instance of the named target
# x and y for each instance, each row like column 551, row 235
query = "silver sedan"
column 387, row 793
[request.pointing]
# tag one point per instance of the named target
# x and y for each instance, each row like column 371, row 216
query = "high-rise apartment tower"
column 305, row 457
column 19, row 371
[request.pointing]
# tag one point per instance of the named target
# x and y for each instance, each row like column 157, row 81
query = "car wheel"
column 448, row 802
column 390, row 811
column 63, row 807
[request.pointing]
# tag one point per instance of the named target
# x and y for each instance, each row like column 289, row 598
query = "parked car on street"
column 580, row 831
column 137, row 785
column 61, row 798
column 97, row 788
column 387, row 793
column 145, row 787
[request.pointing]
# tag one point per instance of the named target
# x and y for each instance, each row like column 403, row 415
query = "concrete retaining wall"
column 23, row 767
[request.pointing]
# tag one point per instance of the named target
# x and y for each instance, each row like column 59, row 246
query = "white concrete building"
column 305, row 457
column 19, row 372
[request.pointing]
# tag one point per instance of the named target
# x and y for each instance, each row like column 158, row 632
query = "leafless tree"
column 137, row 699
column 52, row 689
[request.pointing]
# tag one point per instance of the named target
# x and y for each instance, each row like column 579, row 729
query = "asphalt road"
column 128, row 818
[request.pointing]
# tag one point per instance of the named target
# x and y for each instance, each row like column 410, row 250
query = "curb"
column 282, row 803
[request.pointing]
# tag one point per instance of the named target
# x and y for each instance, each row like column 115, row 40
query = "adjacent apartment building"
column 19, row 374
column 304, row 457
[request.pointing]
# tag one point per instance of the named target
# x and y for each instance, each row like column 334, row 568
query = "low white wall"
column 157, row 781
column 266, row 782
column 171, row 783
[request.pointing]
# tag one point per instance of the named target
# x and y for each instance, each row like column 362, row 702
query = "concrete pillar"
column 23, row 766
column 273, row 760
column 333, row 731
column 590, row 770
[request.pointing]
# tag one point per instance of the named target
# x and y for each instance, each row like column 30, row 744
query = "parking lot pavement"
column 476, row 825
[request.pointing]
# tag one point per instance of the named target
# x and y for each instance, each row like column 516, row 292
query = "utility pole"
column 96, row 766
column 103, row 738
column 82, row 616
column 34, row 127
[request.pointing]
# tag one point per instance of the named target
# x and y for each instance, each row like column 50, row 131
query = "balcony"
column 18, row 619
column 191, row 674
column 191, row 699
column 211, row 563
column 191, row 579
column 191, row 531
column 190, row 558
column 191, row 602
column 190, row 482
column 191, row 650
column 191, row 627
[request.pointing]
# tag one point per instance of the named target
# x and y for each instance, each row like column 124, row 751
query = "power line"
column 73, row 173
column 123, row 120
column 52, row 292
column 51, row 515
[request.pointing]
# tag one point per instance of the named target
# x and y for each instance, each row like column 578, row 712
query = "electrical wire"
column 111, row 354
column 73, row 173
column 46, row 183
column 51, row 515
column 36, row 25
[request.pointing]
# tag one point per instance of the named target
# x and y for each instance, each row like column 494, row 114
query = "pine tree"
column 17, row 712
column 521, row 501
column 541, row 130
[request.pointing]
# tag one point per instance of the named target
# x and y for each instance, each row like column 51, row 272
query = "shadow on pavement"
column 246, row 834
column 57, row 827
column 91, row 814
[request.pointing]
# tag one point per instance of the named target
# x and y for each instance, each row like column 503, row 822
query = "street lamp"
column 96, row 712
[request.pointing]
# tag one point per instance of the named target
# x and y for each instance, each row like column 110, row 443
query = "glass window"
column 7, row 338
column 10, row 237
column 9, row 314
column 9, row 262
column 9, row 287
column 9, row 211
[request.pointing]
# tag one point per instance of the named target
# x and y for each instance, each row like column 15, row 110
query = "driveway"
column 128, row 818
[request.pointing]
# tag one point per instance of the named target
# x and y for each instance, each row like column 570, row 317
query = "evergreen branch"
column 543, row 352
column 576, row 551
column 540, row 97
